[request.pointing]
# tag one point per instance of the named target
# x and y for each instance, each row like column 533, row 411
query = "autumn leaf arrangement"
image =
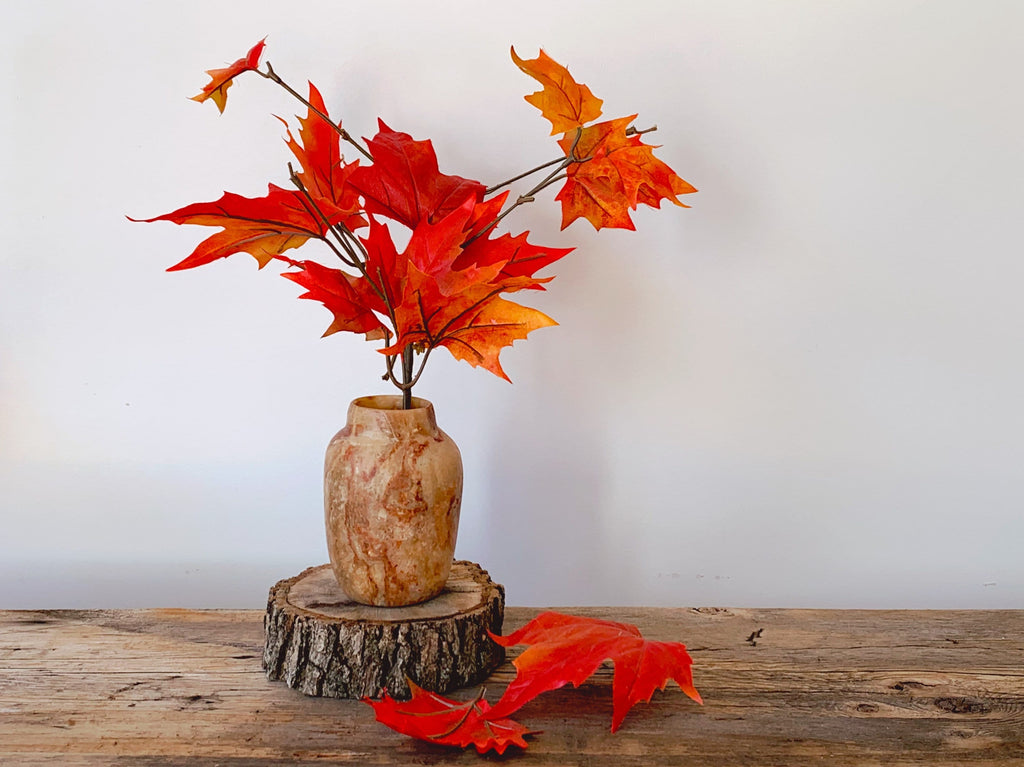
column 447, row 287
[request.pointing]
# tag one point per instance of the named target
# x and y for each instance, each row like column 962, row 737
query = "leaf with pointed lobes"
column 485, row 215
column 431, row 717
column 619, row 171
column 463, row 312
column 221, row 79
column 435, row 304
column 263, row 227
column 404, row 183
column 519, row 257
column 563, row 101
column 616, row 173
column 341, row 293
column 482, row 332
column 324, row 171
column 567, row 649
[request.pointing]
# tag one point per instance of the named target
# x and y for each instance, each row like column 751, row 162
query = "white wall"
column 805, row 391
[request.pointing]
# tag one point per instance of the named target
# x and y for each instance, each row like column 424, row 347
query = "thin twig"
column 407, row 377
column 631, row 131
column 423, row 364
column 270, row 74
column 381, row 290
column 552, row 178
column 530, row 172
column 314, row 210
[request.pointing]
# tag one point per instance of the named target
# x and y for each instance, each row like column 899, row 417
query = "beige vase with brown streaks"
column 392, row 495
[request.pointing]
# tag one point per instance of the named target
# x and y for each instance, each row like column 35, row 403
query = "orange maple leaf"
column 563, row 101
column 616, row 172
column 263, row 227
column 221, row 79
column 478, row 334
column 463, row 312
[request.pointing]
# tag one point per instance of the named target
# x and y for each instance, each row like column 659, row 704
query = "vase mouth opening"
column 389, row 402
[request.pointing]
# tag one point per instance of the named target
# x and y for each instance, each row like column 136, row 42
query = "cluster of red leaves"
column 445, row 288
column 562, row 649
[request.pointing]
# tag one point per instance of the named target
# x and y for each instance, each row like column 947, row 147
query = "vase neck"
column 383, row 414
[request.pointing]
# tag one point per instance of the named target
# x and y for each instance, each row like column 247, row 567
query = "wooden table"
column 782, row 687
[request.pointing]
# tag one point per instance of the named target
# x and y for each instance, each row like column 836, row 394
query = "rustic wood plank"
column 185, row 687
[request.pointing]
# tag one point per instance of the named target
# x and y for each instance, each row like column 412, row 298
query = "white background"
column 804, row 391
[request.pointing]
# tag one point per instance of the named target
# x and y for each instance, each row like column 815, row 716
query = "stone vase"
column 392, row 495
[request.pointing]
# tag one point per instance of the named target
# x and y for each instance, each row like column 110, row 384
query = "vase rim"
column 390, row 402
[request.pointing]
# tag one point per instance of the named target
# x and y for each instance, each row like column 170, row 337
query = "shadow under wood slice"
column 321, row 643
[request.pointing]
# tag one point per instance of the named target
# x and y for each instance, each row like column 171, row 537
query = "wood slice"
column 322, row 643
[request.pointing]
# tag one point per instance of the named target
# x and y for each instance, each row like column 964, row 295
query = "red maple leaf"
column 478, row 333
column 518, row 257
column 263, row 227
column 324, row 171
column 404, row 182
column 429, row 716
column 266, row 227
column 221, row 79
column 565, row 648
column 343, row 294
column 618, row 171
column 433, row 303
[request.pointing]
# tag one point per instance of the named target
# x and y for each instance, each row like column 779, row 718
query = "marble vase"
column 392, row 495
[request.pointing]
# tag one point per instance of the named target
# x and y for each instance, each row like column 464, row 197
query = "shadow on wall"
column 544, row 530
column 551, row 461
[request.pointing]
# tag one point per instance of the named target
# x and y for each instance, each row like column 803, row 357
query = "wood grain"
column 782, row 687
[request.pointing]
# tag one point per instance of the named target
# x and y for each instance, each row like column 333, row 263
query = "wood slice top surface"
column 316, row 591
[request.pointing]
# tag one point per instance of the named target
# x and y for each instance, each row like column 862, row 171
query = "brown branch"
column 530, row 172
column 270, row 74
column 381, row 290
column 631, row 131
column 314, row 210
column 552, row 178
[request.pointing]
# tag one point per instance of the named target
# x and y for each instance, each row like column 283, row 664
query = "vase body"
column 392, row 496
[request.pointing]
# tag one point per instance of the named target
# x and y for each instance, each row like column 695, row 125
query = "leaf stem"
column 530, row 172
column 270, row 74
column 552, row 178
column 631, row 131
column 313, row 209
column 407, row 377
column 346, row 236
